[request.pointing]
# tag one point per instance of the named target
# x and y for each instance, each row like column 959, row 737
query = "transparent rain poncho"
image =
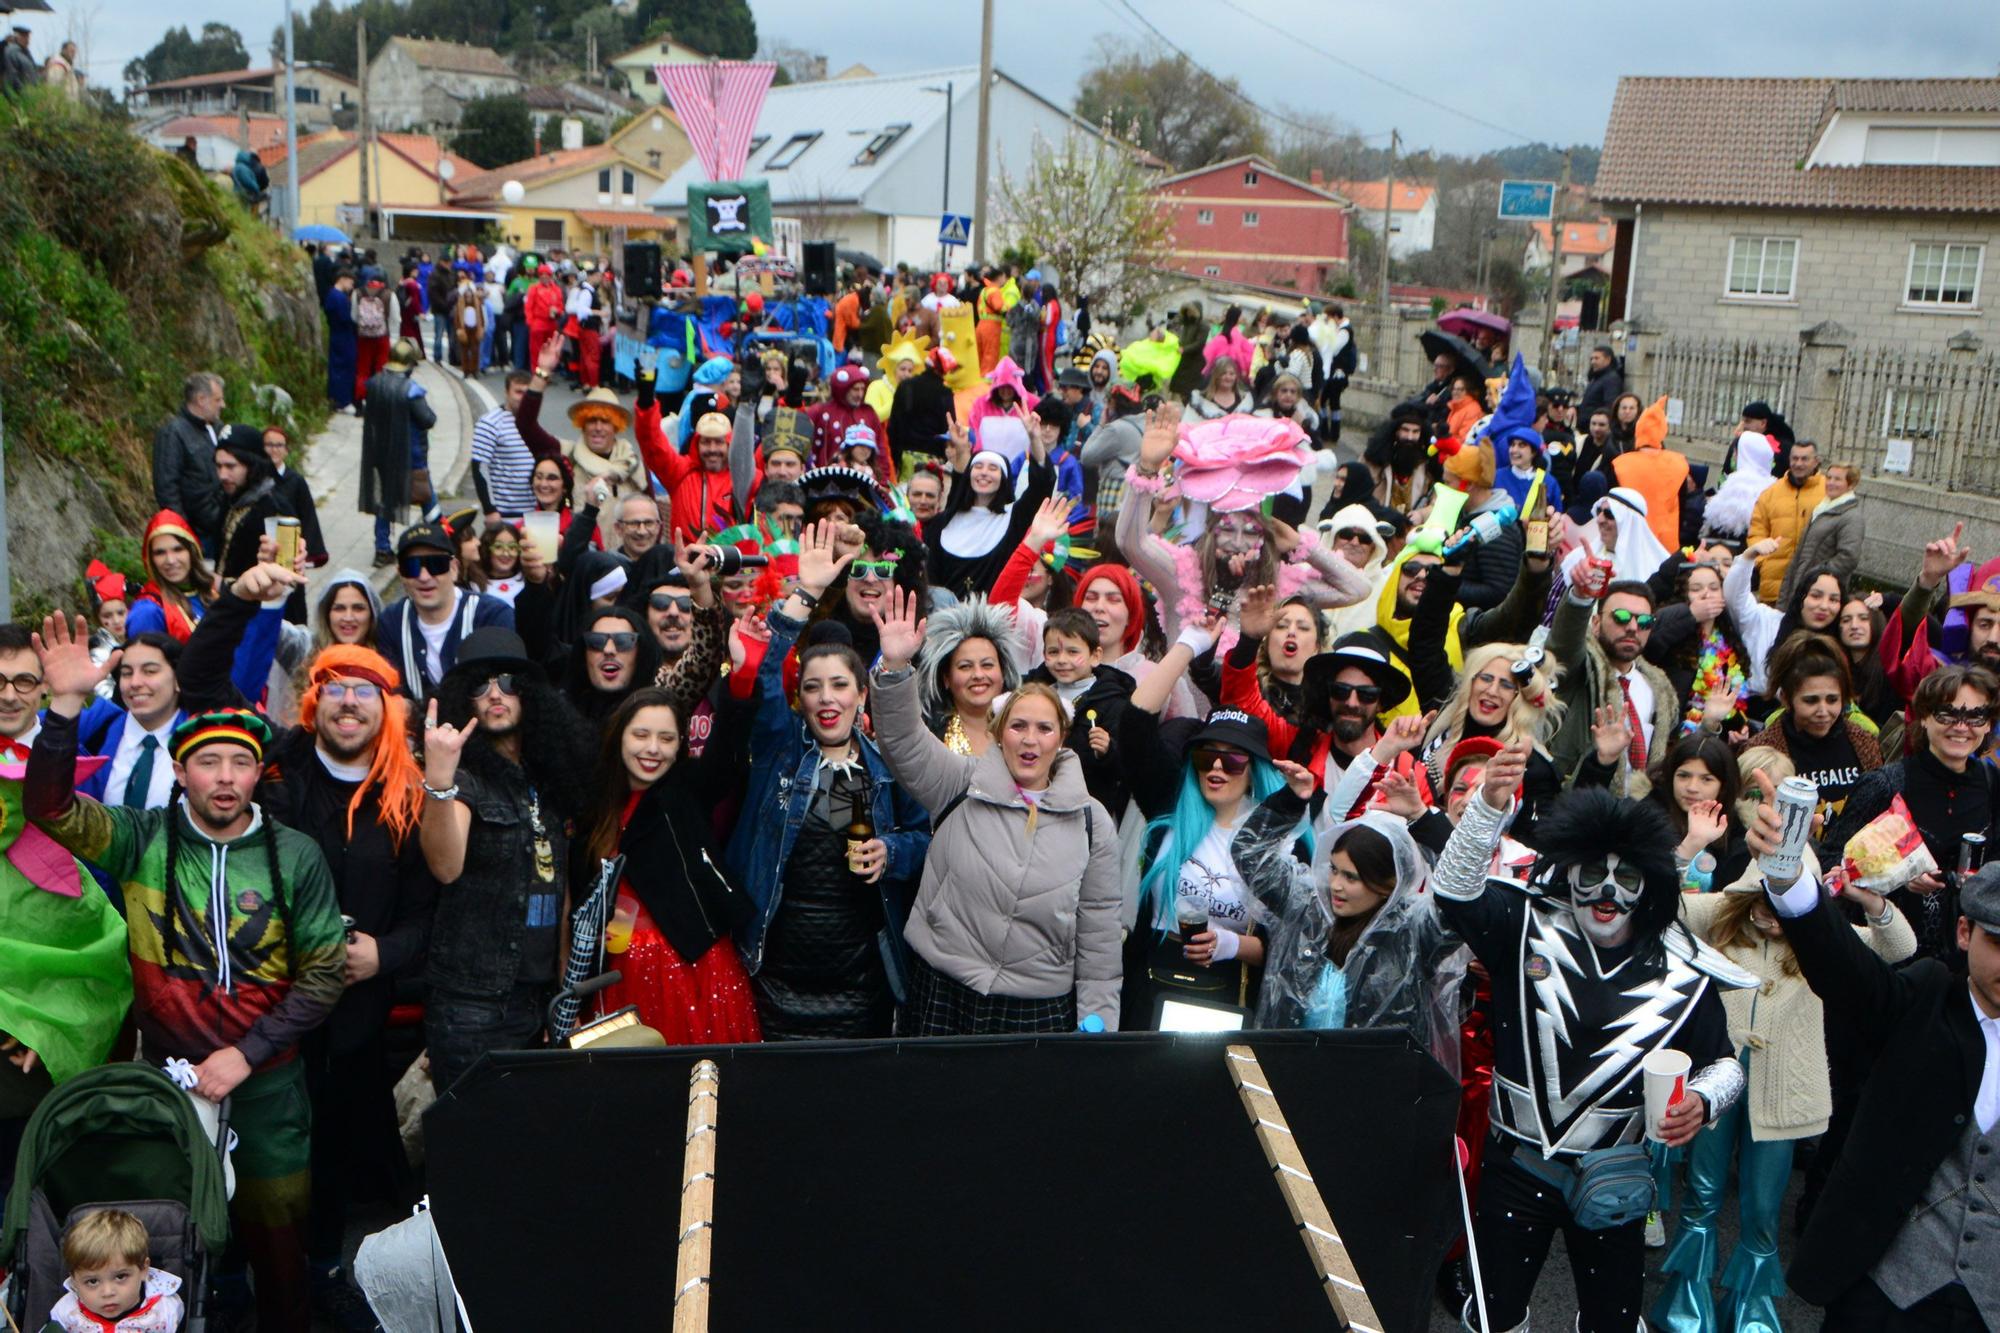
column 1404, row 971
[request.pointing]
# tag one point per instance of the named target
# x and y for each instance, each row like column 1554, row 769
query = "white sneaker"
column 1656, row 1232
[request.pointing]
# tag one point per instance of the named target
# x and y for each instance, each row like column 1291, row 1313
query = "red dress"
column 696, row 1004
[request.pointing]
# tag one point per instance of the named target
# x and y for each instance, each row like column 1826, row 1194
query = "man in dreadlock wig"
column 1592, row 973
column 344, row 777
column 235, row 941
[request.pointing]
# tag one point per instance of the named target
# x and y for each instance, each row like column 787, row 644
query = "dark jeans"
column 1518, row 1217
column 1863, row 1307
column 459, row 1028
column 356, row 1148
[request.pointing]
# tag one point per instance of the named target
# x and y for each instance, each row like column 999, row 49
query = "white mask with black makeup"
column 1603, row 895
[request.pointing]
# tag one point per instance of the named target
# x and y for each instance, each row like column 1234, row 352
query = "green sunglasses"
column 1624, row 616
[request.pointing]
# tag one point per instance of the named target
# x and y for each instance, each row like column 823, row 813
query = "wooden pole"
column 1555, row 273
column 693, row 1251
column 1344, row 1291
column 361, row 124
column 1384, row 331
column 979, row 170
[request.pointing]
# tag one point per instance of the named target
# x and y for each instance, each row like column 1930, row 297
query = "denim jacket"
column 784, row 772
column 478, row 931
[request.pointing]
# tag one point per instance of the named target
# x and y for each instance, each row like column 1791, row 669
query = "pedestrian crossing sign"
column 954, row 229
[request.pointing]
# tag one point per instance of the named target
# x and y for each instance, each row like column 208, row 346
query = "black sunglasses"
column 620, row 641
column 1342, row 692
column 436, row 564
column 504, row 682
column 666, row 601
column 1206, row 757
column 1352, row 535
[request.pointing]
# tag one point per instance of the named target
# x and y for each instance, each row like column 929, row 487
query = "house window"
column 1910, row 413
column 626, row 182
column 1250, row 176
column 604, row 181
column 872, row 152
column 652, row 75
column 1945, row 274
column 1249, row 217
column 1204, row 216
column 792, row 150
column 305, row 96
column 756, row 146
column 1212, row 270
column 1763, row 266
column 548, row 233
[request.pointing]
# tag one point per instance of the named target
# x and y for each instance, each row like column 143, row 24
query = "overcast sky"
column 1548, row 74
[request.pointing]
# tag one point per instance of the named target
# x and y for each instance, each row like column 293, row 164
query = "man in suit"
column 1907, row 1233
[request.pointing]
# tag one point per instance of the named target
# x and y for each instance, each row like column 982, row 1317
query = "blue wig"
column 1185, row 826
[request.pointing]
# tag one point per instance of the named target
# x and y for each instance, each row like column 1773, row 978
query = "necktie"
column 141, row 777
column 1636, row 751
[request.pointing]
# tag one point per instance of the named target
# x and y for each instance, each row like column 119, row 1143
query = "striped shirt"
column 504, row 458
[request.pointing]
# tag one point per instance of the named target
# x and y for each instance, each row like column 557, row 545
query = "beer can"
column 1971, row 852
column 1795, row 802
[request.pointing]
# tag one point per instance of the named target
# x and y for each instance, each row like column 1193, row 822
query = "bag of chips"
column 1889, row 852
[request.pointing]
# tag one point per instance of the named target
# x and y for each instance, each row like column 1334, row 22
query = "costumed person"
column 992, row 327
column 605, row 463
column 844, row 409
column 1353, row 532
column 1517, row 447
column 983, row 519
column 903, row 361
column 343, row 353
column 1658, row 473
column 968, row 661
column 1729, row 509
column 1156, row 359
column 1591, row 972
column 1008, row 398
column 924, row 411
column 1620, row 531
column 178, row 585
column 1396, row 454
column 1696, row 642
column 1492, row 560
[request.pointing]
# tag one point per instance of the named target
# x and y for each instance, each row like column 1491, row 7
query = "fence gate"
column 1714, row 377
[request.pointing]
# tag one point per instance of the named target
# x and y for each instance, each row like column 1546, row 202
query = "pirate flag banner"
column 729, row 217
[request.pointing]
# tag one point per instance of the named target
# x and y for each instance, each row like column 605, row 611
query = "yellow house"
column 412, row 180
column 586, row 200
column 637, row 66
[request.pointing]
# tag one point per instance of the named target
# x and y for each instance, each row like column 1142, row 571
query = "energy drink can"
column 1795, row 802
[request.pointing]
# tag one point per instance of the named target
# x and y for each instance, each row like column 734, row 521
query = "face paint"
column 1603, row 895
column 1235, row 535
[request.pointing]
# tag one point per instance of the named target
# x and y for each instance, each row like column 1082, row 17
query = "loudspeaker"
column 642, row 269
column 819, row 268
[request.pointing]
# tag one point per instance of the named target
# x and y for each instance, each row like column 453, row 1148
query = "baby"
column 112, row 1286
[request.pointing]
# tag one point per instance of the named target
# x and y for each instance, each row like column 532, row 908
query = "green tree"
column 724, row 28
column 179, row 54
column 494, row 131
column 1174, row 110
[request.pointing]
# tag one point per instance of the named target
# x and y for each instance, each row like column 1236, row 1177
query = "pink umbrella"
column 1463, row 322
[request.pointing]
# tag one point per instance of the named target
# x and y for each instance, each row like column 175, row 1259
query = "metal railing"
column 1933, row 417
column 1714, row 377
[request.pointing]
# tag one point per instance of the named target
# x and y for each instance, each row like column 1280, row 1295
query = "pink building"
column 1245, row 221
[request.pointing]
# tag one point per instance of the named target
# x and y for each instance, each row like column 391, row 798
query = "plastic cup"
column 543, row 527
column 1665, row 1074
column 618, row 930
column 1192, row 919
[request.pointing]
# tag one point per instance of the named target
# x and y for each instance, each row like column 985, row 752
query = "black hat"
column 1979, row 898
column 1069, row 377
column 1561, row 397
column 841, row 483
column 492, row 649
column 433, row 535
column 1759, row 409
column 1229, row 726
column 1358, row 650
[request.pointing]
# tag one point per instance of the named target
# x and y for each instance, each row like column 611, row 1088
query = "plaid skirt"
column 941, row 1007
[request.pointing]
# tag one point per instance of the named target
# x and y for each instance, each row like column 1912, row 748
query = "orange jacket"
column 1658, row 474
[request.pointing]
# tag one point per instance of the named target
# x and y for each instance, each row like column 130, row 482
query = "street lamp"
column 944, row 251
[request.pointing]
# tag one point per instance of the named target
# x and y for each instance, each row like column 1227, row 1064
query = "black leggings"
column 1518, row 1217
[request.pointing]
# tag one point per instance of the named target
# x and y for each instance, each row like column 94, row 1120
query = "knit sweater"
column 1782, row 1023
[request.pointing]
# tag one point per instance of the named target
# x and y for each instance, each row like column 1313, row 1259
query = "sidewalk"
column 333, row 468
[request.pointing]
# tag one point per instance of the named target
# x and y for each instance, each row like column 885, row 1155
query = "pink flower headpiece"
column 1235, row 462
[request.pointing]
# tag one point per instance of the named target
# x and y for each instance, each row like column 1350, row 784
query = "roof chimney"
column 1318, row 179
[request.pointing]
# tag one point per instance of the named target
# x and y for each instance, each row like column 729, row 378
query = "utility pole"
column 1383, row 354
column 291, row 133
column 979, row 172
column 1555, row 271
column 361, row 125
column 944, row 251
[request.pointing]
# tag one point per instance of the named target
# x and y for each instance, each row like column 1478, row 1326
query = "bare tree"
column 1086, row 207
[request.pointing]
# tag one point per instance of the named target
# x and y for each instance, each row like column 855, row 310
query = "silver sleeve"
column 1462, row 868
column 1719, row 1084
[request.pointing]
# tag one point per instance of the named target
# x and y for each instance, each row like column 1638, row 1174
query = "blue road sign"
column 954, row 229
column 1528, row 201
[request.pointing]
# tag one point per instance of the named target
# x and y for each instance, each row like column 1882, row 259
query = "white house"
column 1412, row 217
column 862, row 161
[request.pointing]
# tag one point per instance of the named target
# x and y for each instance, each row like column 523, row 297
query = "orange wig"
column 393, row 771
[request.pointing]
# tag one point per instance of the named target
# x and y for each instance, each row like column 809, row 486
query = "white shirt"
column 434, row 637
column 1210, row 878
column 127, row 755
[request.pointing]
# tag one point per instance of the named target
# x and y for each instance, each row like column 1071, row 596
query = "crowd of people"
column 1015, row 687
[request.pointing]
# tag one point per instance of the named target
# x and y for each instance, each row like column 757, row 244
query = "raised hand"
column 533, row 568
column 1610, row 732
column 1051, row 521
column 261, row 582
column 1942, row 556
column 1284, row 537
column 1163, row 433
column 1716, row 708
column 443, row 744
column 552, row 351
column 960, row 453
column 1402, row 735
column 1398, row 793
column 1257, row 611
column 1758, row 550
column 689, row 559
column 1706, row 823
column 1297, row 776
column 1767, row 831
column 820, row 561
column 900, row 631
column 1504, row 775
column 68, row 674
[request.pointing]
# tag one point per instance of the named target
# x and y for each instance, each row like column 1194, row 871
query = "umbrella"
column 321, row 232
column 1450, row 344
column 859, row 258
column 1463, row 322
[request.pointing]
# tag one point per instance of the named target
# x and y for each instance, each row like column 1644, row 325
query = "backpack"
column 371, row 316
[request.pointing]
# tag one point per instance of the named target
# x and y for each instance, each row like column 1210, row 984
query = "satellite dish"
column 446, row 170
column 513, row 192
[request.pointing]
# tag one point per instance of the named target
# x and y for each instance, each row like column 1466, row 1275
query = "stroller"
column 122, row 1136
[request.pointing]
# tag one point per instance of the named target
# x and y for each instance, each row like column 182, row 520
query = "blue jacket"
column 784, row 772
column 408, row 652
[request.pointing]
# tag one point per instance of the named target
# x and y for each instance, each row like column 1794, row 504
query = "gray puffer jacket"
column 1005, row 907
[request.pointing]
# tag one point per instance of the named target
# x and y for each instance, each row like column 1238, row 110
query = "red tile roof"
column 1367, row 195
column 1744, row 142
column 1580, row 238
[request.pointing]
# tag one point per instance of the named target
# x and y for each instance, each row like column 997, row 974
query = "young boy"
column 112, row 1286
column 1095, row 694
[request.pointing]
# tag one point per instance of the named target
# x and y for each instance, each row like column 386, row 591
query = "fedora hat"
column 600, row 400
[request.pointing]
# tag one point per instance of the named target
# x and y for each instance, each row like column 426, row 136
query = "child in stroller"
column 113, row 1286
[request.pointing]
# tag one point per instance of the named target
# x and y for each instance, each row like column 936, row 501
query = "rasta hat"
column 234, row 726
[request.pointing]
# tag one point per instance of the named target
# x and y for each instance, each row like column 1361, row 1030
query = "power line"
column 1321, row 51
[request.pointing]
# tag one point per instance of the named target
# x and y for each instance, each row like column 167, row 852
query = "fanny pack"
column 1604, row 1189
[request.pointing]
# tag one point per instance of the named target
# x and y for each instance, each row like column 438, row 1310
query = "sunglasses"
column 621, row 641
column 666, row 601
column 436, row 565
column 360, row 690
column 884, row 569
column 1414, row 571
column 504, row 682
column 1964, row 717
column 1206, row 757
column 1623, row 616
column 1355, row 535
column 1342, row 692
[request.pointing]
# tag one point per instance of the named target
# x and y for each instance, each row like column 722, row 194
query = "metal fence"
column 1713, row 378
column 1933, row 417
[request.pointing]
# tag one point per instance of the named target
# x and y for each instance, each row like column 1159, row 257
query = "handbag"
column 1604, row 1189
column 421, row 493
